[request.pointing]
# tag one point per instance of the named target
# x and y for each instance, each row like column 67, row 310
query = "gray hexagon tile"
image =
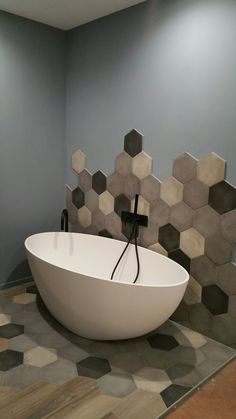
column 211, row 169
column 228, row 225
column 22, row 376
column 142, row 165
column 195, row 194
column 150, row 188
column 115, row 184
column 131, row 186
column 91, row 200
column 93, row 367
column 159, row 212
column 85, row 180
column 78, row 197
column 115, row 384
column 151, row 379
column 204, row 270
column 214, row 299
column 123, row 164
column 169, row 237
column 122, row 203
column 218, row 249
column 11, row 330
column 185, row 168
column 181, row 216
column 226, row 278
column 207, row 221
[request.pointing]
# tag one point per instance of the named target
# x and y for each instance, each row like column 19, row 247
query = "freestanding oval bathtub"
column 72, row 272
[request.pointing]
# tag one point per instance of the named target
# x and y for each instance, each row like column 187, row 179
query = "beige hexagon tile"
column 150, row 188
column 143, row 206
column 206, row 221
column 189, row 338
column 4, row 319
column 211, row 169
column 3, row 344
column 84, row 217
column 98, row 219
column 123, row 164
column 115, row 184
column 142, row 165
column 40, row 356
column 106, row 203
column 185, row 167
column 192, row 243
column 78, row 161
column 25, row 298
column 152, row 379
column 159, row 212
column 171, row 191
column 91, row 200
column 156, row 247
column 190, row 297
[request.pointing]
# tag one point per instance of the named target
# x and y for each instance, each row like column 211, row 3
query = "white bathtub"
column 72, row 273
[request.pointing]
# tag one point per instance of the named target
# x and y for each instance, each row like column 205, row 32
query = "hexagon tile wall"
column 192, row 220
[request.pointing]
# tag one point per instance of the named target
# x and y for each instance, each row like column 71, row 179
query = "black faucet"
column 64, row 220
column 134, row 217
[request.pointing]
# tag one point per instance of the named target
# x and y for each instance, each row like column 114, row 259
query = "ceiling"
column 65, row 14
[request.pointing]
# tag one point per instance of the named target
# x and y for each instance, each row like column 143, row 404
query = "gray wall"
column 166, row 68
column 32, row 143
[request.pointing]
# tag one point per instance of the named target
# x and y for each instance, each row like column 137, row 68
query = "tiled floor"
column 147, row 374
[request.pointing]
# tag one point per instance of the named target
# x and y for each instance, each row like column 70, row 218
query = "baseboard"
column 16, row 282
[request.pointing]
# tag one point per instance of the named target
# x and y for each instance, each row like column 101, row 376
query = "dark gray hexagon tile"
column 93, row 367
column 181, row 312
column 222, row 197
column 10, row 359
column 218, row 249
column 169, row 237
column 185, row 168
column 173, row 393
column 180, row 257
column 163, row 342
column 99, row 182
column 181, row 216
column 207, row 221
column 85, row 180
column 195, row 194
column 150, row 188
column 122, row 203
column 203, row 270
column 228, row 225
column 226, row 278
column 78, row 197
column 215, row 300
column 133, row 143
column 11, row 330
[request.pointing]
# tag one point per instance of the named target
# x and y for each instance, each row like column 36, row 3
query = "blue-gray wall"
column 32, row 142
column 166, row 68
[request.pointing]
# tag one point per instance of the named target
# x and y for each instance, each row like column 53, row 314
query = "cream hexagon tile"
column 40, row 356
column 192, row 243
column 78, row 161
column 106, row 203
column 171, row 191
column 156, row 247
column 142, row 165
column 123, row 164
column 189, row 338
column 25, row 298
column 151, row 379
column 211, row 169
column 4, row 319
column 84, row 217
column 143, row 206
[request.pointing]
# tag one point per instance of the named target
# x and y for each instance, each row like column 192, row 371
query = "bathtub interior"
column 96, row 256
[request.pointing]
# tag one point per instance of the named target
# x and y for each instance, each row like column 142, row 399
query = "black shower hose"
column 135, row 234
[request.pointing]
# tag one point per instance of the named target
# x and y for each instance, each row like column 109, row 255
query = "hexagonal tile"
column 59, row 371
column 122, row 203
column 222, row 197
column 133, row 143
column 159, row 212
column 151, row 379
column 78, row 197
column 99, row 182
column 126, row 362
column 226, row 278
column 228, row 225
column 4, row 319
column 211, row 169
column 93, row 367
column 13, row 377
column 117, row 385
column 25, row 298
column 180, row 257
column 195, row 287
column 163, row 342
column 40, row 356
column 105, row 233
column 106, row 203
column 171, row 191
column 72, row 352
column 181, row 216
column 192, row 243
column 181, row 313
column 10, row 359
column 91, row 200
column 169, row 237
column 78, row 161
column 143, row 206
column 84, row 217
column 21, row 343
column 223, row 329
column 113, row 225
column 173, row 393
column 85, row 180
column 196, row 193
column 32, row 289
column 123, row 164
column 189, row 338
column 156, row 247
column 218, row 249
column 215, row 299
column 115, row 184
column 11, row 330
column 131, row 186
column 206, row 221
column 150, row 188
column 185, row 168
column 148, row 235
column 142, row 165
column 200, row 317
column 98, row 219
column 204, row 270
column 185, row 375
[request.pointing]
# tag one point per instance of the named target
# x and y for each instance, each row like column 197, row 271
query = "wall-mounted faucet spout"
column 64, row 220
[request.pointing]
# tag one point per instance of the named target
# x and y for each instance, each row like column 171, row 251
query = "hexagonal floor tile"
column 173, row 393
column 11, row 330
column 10, row 359
column 189, row 338
column 40, row 356
column 25, row 298
column 151, row 379
column 93, row 367
column 115, row 384
column 22, row 376
column 126, row 362
column 163, row 342
column 21, row 343
column 215, row 299
column 59, row 371
column 4, row 319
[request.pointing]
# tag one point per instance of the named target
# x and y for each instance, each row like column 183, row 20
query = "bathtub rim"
column 180, row 283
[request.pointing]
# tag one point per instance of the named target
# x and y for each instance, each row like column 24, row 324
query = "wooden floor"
column 215, row 400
